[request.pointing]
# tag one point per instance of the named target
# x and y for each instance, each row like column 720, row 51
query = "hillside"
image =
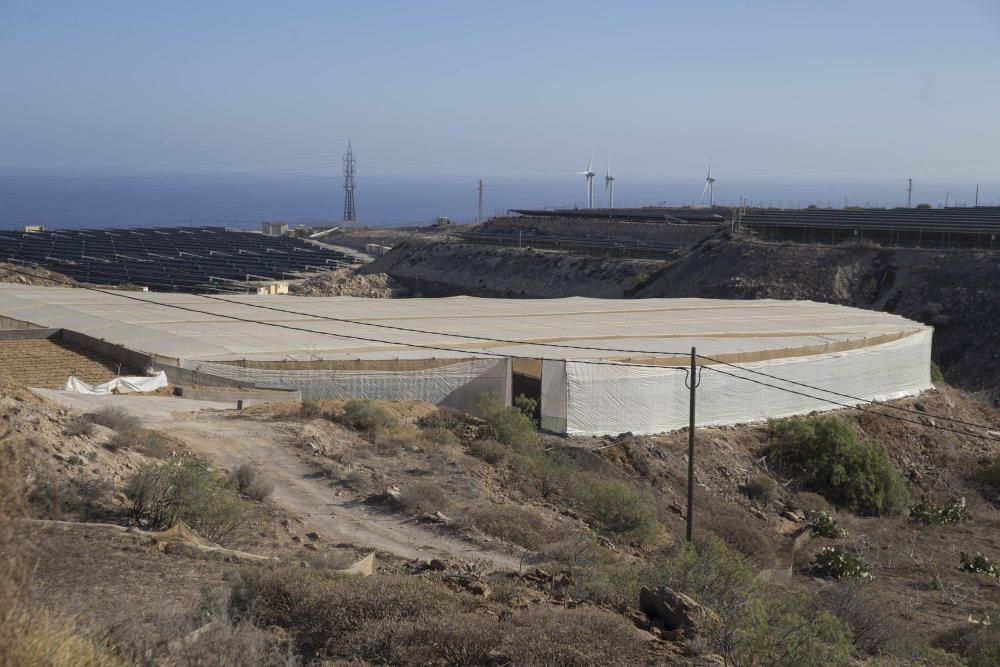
column 953, row 290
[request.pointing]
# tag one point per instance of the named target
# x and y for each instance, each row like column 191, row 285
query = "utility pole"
column 977, row 194
column 909, row 193
column 692, row 382
column 479, row 216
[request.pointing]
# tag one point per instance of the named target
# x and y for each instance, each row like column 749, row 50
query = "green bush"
column 509, row 425
column 364, row 414
column 826, row 454
column 978, row 563
column 310, row 409
column 810, row 502
column 928, row 512
column 620, row 509
column 761, row 624
column 838, row 563
column 423, row 497
column 937, row 377
column 826, row 526
column 189, row 492
column 992, row 474
column 761, row 488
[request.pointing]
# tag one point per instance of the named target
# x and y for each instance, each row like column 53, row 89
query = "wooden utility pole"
column 692, row 382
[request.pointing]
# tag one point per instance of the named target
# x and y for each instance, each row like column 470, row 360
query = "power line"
column 856, row 407
column 848, row 396
column 246, row 320
column 508, row 356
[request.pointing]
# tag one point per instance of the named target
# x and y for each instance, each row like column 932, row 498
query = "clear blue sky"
column 768, row 90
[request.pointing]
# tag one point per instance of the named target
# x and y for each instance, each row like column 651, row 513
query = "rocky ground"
column 349, row 282
column 14, row 273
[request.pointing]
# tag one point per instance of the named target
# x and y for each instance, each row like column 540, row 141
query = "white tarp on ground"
column 602, row 399
column 456, row 385
column 120, row 385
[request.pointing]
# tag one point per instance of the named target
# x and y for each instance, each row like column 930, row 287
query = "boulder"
column 676, row 611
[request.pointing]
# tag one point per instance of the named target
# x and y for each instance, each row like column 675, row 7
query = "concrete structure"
column 450, row 351
column 274, row 228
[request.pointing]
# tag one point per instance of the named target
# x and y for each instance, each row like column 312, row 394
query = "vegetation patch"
column 161, row 494
column 824, row 525
column 978, row 563
column 512, row 524
column 364, row 414
column 826, row 455
column 837, row 563
column 928, row 512
column 761, row 488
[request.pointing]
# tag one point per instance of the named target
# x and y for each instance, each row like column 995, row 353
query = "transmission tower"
column 349, row 215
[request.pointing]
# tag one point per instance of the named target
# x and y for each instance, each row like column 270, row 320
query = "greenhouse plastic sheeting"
column 454, row 385
column 609, row 399
column 119, row 385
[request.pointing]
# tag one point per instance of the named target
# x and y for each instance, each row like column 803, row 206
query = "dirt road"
column 269, row 446
column 299, row 489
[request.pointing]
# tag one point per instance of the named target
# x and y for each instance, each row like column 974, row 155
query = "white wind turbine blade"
column 707, row 182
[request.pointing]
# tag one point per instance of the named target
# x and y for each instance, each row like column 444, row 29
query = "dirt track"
column 298, row 487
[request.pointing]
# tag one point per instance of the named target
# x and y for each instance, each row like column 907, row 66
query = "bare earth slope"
column 448, row 268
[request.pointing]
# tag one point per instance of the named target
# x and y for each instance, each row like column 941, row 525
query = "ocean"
column 73, row 200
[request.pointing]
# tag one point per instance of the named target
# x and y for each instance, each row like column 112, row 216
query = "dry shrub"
column 556, row 637
column 144, row 441
column 321, row 609
column 423, row 497
column 364, row 414
column 247, row 482
column 388, row 441
column 446, row 418
column 742, row 536
column 810, row 502
column 437, row 439
column 512, row 524
column 875, row 632
column 115, row 418
column 490, row 451
column 761, row 488
column 82, row 498
column 310, row 409
column 79, row 426
column 29, row 635
column 466, row 639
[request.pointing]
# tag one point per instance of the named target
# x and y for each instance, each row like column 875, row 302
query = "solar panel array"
column 173, row 259
column 966, row 219
column 646, row 214
column 977, row 227
column 620, row 247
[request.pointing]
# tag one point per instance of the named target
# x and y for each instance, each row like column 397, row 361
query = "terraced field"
column 47, row 363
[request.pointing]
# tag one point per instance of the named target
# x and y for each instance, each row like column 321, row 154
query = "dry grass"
column 29, row 635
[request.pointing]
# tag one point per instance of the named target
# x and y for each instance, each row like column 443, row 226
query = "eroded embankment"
column 447, row 269
column 953, row 290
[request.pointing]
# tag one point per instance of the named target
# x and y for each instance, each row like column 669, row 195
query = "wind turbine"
column 590, row 182
column 609, row 184
column 709, row 187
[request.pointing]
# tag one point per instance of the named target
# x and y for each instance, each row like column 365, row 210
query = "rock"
column 436, row 517
column 676, row 611
column 313, row 535
column 468, row 584
column 310, row 547
column 638, row 618
column 437, row 565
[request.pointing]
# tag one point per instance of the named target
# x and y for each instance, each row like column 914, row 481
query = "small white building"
column 274, row 228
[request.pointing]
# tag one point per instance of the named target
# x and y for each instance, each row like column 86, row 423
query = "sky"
column 789, row 101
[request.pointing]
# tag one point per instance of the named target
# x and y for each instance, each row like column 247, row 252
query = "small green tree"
column 827, row 456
